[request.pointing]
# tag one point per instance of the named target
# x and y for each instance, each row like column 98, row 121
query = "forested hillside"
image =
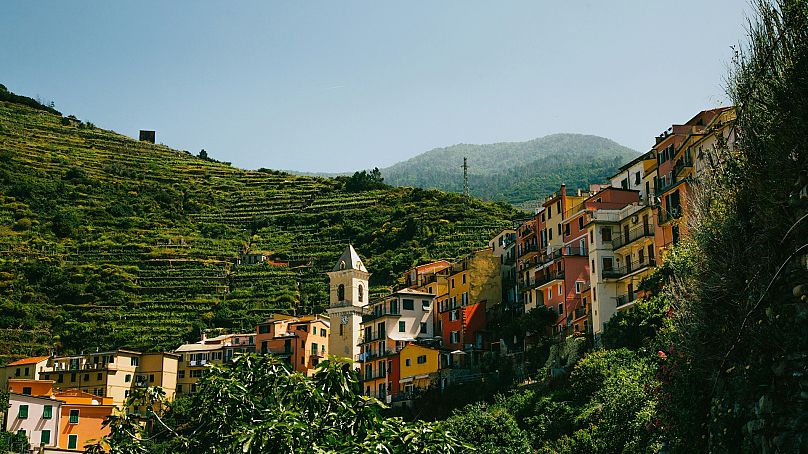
column 514, row 172
column 108, row 241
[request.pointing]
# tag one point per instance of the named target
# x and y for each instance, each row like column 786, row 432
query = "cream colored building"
column 114, row 373
column 348, row 296
column 193, row 359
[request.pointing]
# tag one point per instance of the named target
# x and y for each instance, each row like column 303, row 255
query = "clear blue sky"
column 344, row 85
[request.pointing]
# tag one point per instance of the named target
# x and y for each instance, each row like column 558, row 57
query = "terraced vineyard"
column 107, row 241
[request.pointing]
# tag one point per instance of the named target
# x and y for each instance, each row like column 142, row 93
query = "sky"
column 333, row 86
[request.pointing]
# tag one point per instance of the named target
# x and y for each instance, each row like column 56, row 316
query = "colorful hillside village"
column 584, row 254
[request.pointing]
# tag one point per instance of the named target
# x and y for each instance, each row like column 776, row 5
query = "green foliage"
column 8, row 96
column 490, row 430
column 637, row 327
column 256, row 405
column 606, row 405
column 147, row 238
column 514, row 172
column 735, row 368
column 365, row 181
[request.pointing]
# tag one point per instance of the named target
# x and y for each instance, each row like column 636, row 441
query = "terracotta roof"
column 32, row 360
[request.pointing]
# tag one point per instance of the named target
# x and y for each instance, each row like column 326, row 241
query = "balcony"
column 634, row 234
column 566, row 251
column 373, row 315
column 665, row 216
column 682, row 164
column 528, row 249
column 624, row 300
column 617, row 273
column 549, row 277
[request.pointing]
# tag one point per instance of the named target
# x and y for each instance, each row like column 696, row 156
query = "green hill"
column 514, row 172
column 107, row 241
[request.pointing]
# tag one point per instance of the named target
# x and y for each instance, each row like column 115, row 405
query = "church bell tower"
column 348, row 294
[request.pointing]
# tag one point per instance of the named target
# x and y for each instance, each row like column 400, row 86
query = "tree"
column 489, row 429
column 256, row 404
column 203, row 154
column 365, row 181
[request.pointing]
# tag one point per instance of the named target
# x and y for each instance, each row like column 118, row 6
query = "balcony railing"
column 372, row 315
column 633, row 235
column 549, row 277
column 566, row 251
column 528, row 248
column 667, row 215
column 616, row 273
column 622, row 300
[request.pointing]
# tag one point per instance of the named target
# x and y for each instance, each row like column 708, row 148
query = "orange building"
column 81, row 418
column 302, row 341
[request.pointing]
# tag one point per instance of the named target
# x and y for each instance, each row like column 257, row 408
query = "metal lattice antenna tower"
column 465, row 176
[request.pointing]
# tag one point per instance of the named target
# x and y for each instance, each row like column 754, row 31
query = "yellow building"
column 419, row 367
column 194, row 358
column 113, row 374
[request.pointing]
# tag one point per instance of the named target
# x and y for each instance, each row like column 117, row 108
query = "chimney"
column 204, row 337
column 563, row 190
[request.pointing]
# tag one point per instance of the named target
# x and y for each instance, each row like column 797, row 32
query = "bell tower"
column 348, row 294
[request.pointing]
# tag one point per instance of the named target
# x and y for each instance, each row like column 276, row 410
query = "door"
column 645, row 226
column 625, row 234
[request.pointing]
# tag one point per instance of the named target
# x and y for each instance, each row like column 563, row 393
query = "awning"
column 405, row 380
column 421, row 377
column 401, row 338
column 458, row 352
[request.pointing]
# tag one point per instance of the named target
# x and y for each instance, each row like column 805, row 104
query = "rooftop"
column 32, row 360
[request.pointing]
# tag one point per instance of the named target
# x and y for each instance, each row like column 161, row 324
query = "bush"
column 489, row 430
column 64, row 223
column 22, row 225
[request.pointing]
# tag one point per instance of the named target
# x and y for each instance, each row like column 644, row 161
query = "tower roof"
column 349, row 260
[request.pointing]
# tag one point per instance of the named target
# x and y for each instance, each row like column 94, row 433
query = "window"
column 86, row 377
column 607, row 264
column 263, row 329
column 581, row 223
column 98, row 376
column 453, row 283
column 641, row 254
column 402, row 326
column 181, row 374
column 606, row 234
column 341, row 329
column 72, row 441
column 464, row 278
column 22, row 412
column 361, row 293
column 341, row 292
column 454, row 337
column 624, row 183
column 549, row 294
column 151, row 377
column 558, row 207
column 302, row 344
column 558, row 289
column 550, row 234
column 134, row 361
column 60, row 379
column 216, row 356
column 567, row 228
column 637, row 179
column 128, row 378
column 423, row 327
column 47, row 412
column 26, row 390
column 72, row 377
column 560, row 309
column 408, row 362
column 44, row 437
column 591, row 237
column 425, row 304
column 179, row 389
column 453, row 316
column 74, row 417
column 407, row 304
column 421, row 359
column 559, row 229
column 302, row 360
column 196, row 373
column 579, row 285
